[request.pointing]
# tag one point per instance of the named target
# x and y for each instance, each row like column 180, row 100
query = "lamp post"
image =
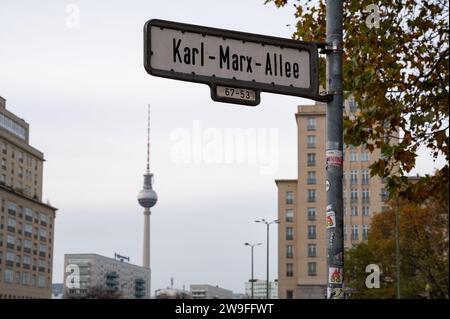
column 267, row 227
column 252, row 246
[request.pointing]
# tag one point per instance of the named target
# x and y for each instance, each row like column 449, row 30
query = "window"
column 345, row 232
column 289, row 294
column 2, row 178
column 311, row 159
column 354, row 232
column 43, row 232
column 42, row 248
column 365, row 231
column 26, row 260
column 18, row 277
column 311, row 141
column 27, row 243
column 289, row 270
column 354, row 211
column 353, row 177
column 11, row 240
column 44, row 218
column 289, row 233
column 353, row 156
column 28, row 228
column 365, row 176
column 312, row 269
column 311, row 232
column 26, row 278
column 345, row 211
column 365, row 156
column 41, row 282
column 289, row 251
column 365, row 195
column 312, row 251
column 311, row 213
column 11, row 222
column 289, row 198
column 289, row 215
column 42, row 263
column 311, row 177
column 365, row 211
column 12, row 127
column 9, row 256
column 311, row 124
column 9, row 275
column 311, row 195
column 28, row 213
column 354, row 195
column 12, row 206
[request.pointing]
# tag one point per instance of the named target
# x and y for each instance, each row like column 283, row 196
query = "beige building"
column 26, row 223
column 302, row 205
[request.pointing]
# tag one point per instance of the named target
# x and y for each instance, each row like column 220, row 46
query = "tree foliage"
column 423, row 252
column 398, row 74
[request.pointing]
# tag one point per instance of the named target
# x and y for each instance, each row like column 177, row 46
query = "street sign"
column 237, row 66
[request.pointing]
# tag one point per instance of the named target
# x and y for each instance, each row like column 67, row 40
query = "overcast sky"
column 84, row 91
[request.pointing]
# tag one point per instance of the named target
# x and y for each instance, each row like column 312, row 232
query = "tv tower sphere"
column 147, row 197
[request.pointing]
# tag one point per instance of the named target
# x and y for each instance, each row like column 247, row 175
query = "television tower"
column 147, row 198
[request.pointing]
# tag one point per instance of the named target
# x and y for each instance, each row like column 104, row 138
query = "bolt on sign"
column 236, row 65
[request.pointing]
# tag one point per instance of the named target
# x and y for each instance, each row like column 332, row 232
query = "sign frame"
column 312, row 92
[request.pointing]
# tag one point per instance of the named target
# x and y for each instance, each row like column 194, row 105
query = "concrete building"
column 26, row 223
column 85, row 272
column 259, row 289
column 210, row 292
column 302, row 206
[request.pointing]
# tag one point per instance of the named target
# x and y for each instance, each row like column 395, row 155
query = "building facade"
column 26, row 223
column 302, row 258
column 259, row 289
column 89, row 272
column 210, row 292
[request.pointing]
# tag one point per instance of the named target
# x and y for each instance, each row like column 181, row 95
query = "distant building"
column 210, row 292
column 239, row 296
column 91, row 272
column 259, row 289
column 57, row 291
column 26, row 223
column 172, row 293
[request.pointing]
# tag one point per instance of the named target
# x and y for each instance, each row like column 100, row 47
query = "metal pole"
column 267, row 283
column 252, row 270
column 334, row 146
column 397, row 247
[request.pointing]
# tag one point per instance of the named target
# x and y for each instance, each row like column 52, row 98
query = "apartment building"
column 302, row 259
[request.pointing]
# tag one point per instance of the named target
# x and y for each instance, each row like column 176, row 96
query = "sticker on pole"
column 331, row 219
column 334, row 158
column 335, row 293
column 335, row 275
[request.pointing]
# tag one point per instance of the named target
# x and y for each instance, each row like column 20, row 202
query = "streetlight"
column 252, row 246
column 267, row 225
